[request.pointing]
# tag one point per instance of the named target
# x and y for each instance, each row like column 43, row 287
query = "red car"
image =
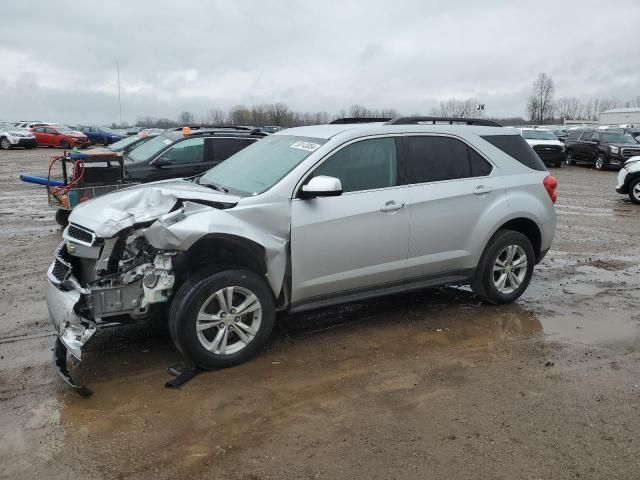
column 59, row 136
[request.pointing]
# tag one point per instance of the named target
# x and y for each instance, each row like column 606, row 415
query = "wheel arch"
column 227, row 249
column 529, row 229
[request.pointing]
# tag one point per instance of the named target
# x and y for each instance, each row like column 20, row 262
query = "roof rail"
column 252, row 130
column 346, row 120
column 435, row 120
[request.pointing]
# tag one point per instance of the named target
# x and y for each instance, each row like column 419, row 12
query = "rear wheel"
column 221, row 319
column 62, row 217
column 600, row 162
column 634, row 191
column 505, row 268
column 5, row 143
column 569, row 159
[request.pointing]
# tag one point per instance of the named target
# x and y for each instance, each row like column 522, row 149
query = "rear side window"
column 433, row 159
column 573, row 135
column 223, row 148
column 595, row 137
column 585, row 137
column 517, row 148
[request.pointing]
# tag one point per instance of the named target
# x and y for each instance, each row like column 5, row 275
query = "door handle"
column 392, row 206
column 482, row 190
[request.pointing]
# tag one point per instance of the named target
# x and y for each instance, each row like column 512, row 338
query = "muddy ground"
column 422, row 386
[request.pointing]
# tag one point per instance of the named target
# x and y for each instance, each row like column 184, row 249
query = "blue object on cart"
column 41, row 181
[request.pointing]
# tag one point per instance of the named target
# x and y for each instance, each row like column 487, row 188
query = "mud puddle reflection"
column 314, row 363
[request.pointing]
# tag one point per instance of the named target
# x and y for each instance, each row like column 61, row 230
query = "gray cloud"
column 58, row 58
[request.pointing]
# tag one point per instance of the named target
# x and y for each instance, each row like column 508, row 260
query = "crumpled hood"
column 109, row 214
column 544, row 142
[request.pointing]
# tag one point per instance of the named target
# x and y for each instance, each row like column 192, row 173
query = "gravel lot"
column 430, row 385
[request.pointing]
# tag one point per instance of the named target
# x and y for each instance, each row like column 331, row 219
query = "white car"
column 545, row 144
column 12, row 136
column 629, row 179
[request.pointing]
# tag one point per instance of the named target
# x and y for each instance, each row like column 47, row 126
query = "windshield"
column 260, row 166
column 618, row 138
column 124, row 143
column 538, row 135
column 63, row 129
column 154, row 146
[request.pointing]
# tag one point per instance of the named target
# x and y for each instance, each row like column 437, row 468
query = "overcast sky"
column 58, row 58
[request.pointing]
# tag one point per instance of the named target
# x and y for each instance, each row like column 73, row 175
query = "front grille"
column 62, row 264
column 80, row 234
column 629, row 152
column 547, row 148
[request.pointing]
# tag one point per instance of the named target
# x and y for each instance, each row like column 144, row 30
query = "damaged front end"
column 98, row 283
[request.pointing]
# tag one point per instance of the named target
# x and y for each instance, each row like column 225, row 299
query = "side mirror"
column 162, row 162
column 322, row 186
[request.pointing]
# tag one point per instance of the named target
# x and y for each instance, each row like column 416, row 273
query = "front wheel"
column 505, row 268
column 62, row 217
column 5, row 143
column 600, row 162
column 221, row 319
column 65, row 144
column 634, row 191
column 569, row 159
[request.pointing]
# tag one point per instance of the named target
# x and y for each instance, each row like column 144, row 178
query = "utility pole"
column 119, row 101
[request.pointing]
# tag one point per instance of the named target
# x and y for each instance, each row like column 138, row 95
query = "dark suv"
column 184, row 153
column 601, row 148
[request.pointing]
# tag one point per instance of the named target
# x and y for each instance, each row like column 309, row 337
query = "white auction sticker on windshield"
column 308, row 146
column 167, row 141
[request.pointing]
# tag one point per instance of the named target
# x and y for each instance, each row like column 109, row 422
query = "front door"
column 358, row 240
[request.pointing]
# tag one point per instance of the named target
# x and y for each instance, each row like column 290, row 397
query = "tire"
column 5, row 144
column 62, row 217
column 559, row 163
column 569, row 159
column 600, row 162
column 484, row 283
column 65, row 144
column 198, row 297
column 634, row 191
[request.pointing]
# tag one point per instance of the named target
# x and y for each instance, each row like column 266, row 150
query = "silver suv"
column 306, row 218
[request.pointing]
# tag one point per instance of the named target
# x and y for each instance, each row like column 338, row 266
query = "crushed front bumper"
column 73, row 330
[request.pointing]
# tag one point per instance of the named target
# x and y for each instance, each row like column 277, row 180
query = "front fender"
column 181, row 229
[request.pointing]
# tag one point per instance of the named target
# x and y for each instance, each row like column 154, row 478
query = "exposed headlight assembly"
column 614, row 149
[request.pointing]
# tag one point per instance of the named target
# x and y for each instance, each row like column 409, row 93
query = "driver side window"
column 365, row 165
column 187, row 151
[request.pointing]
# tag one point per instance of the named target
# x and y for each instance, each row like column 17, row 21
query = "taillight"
column 550, row 185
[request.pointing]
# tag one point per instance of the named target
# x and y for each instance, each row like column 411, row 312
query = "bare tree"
column 568, row 108
column 454, row 107
column 216, row 117
column 186, row 118
column 541, row 100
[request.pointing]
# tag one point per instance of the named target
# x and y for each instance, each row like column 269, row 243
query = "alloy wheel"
column 636, row 192
column 229, row 320
column 5, row 143
column 599, row 162
column 510, row 269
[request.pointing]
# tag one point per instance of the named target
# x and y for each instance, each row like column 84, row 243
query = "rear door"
column 450, row 186
column 592, row 147
column 183, row 159
column 356, row 241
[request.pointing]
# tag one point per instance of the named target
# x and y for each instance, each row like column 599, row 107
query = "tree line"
column 542, row 108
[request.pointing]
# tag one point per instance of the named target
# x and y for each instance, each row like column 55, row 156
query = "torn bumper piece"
column 60, row 364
